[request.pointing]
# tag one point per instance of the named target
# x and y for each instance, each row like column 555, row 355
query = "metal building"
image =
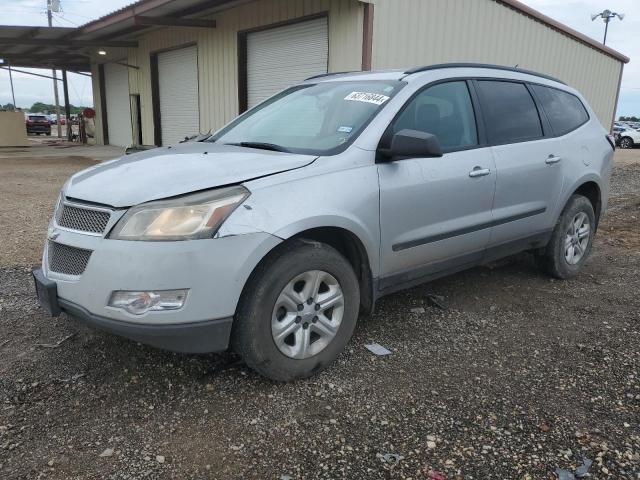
column 172, row 68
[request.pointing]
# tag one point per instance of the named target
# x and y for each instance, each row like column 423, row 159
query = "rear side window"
column 444, row 110
column 564, row 110
column 510, row 112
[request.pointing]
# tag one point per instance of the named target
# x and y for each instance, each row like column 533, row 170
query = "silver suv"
column 273, row 234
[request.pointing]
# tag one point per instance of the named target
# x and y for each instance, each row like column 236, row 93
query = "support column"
column 367, row 36
column 67, row 108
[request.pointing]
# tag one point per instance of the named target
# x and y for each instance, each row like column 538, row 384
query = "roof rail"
column 427, row 68
column 330, row 74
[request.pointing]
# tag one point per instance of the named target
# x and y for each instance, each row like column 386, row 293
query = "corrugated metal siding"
column 421, row 32
column 218, row 56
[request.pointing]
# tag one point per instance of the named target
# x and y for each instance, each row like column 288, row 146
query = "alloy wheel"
column 626, row 142
column 307, row 314
column 577, row 238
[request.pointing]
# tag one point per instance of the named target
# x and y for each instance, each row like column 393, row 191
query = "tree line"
column 629, row 119
column 40, row 107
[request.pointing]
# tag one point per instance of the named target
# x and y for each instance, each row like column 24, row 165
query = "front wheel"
column 571, row 240
column 297, row 312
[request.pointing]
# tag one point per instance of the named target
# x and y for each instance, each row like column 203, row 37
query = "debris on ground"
column 437, row 301
column 390, row 458
column 108, row 452
column 57, row 344
column 418, row 310
column 378, row 349
column 437, row 476
column 581, row 472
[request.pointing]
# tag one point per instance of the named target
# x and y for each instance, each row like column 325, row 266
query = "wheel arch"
column 345, row 241
column 591, row 190
column 353, row 249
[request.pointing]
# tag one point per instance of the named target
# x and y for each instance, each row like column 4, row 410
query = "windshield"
column 38, row 118
column 320, row 119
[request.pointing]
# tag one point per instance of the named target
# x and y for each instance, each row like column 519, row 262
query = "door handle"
column 479, row 172
column 552, row 159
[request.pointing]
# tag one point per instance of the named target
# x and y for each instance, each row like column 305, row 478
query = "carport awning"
column 42, row 47
column 74, row 49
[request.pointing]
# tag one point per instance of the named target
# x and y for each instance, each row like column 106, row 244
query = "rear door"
column 529, row 164
column 435, row 213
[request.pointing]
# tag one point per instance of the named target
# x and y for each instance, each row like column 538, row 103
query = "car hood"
column 169, row 171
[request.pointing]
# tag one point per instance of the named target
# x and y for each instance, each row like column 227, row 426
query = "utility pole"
column 13, row 94
column 53, row 71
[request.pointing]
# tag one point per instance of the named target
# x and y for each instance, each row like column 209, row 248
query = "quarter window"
column 510, row 112
column 444, row 110
column 564, row 110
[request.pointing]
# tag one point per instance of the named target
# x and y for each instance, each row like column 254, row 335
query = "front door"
column 436, row 213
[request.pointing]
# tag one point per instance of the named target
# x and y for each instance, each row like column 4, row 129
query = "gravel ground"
column 518, row 376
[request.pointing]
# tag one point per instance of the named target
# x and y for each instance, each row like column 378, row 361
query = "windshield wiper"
column 261, row 146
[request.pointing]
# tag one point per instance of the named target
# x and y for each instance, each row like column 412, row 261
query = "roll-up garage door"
column 116, row 85
column 178, row 91
column 283, row 56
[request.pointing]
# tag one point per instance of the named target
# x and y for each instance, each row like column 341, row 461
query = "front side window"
column 320, row 119
column 444, row 110
column 564, row 110
column 509, row 111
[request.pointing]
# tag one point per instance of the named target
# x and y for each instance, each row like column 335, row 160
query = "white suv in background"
column 628, row 138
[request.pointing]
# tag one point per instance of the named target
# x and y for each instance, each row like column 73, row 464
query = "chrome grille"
column 82, row 219
column 67, row 260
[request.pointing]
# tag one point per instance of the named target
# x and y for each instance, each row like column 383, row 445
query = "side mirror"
column 413, row 144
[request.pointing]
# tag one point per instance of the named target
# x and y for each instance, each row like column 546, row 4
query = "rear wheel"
column 626, row 142
column 297, row 312
column 571, row 240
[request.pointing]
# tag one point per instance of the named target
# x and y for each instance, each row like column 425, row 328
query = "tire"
column 626, row 142
column 265, row 311
column 48, row 134
column 557, row 259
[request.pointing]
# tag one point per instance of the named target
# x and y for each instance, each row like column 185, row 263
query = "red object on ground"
column 437, row 476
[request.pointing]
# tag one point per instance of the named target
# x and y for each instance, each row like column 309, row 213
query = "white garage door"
column 178, row 84
column 280, row 57
column 116, row 85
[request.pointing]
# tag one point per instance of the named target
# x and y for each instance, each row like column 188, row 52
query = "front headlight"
column 190, row 217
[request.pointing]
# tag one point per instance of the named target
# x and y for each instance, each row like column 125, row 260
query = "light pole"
column 54, row 6
column 606, row 16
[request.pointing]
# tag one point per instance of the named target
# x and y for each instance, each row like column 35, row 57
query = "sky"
column 624, row 36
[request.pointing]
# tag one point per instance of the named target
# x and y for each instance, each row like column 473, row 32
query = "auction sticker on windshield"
column 375, row 98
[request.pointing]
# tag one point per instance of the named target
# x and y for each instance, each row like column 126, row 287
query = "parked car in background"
column 626, row 137
column 271, row 235
column 38, row 124
column 53, row 118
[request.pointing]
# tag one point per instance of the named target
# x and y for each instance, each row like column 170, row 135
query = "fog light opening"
column 139, row 303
